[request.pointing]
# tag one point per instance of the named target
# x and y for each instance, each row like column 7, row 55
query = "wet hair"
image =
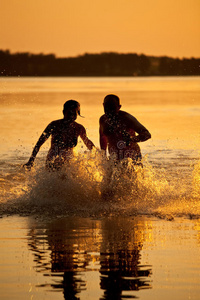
column 110, row 99
column 70, row 104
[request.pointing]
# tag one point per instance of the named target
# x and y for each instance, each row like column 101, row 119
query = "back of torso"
column 64, row 135
column 119, row 133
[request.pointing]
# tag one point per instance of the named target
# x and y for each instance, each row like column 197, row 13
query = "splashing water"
column 196, row 180
column 92, row 186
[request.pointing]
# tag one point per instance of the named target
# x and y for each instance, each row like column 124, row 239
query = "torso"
column 118, row 132
column 64, row 137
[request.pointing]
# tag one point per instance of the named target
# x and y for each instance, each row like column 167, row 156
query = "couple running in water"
column 117, row 134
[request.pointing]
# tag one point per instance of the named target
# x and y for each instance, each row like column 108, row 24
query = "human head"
column 111, row 104
column 70, row 109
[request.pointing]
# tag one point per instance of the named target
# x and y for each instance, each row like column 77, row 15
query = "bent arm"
column 89, row 144
column 44, row 136
column 142, row 136
column 143, row 133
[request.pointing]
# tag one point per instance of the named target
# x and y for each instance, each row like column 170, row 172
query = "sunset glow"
column 70, row 28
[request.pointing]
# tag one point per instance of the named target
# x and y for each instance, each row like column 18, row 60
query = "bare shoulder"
column 131, row 122
column 52, row 125
column 56, row 122
column 126, row 117
column 102, row 119
column 79, row 127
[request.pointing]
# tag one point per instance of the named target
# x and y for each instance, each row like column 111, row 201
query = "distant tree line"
column 103, row 64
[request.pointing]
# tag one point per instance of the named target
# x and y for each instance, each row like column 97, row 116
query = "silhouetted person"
column 64, row 136
column 118, row 131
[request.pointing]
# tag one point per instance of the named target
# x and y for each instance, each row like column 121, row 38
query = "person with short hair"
column 64, row 137
column 118, row 131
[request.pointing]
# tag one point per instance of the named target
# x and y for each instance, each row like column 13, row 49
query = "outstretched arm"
column 44, row 136
column 89, row 144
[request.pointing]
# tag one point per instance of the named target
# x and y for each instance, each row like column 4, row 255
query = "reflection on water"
column 121, row 269
column 67, row 248
column 98, row 259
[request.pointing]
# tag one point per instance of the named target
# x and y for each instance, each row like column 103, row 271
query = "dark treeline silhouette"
column 103, row 64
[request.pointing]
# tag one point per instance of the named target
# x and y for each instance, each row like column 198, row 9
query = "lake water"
column 59, row 239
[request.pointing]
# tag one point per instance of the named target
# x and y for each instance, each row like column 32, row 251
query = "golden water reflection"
column 67, row 249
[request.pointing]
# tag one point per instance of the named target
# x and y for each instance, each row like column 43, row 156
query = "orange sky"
column 73, row 27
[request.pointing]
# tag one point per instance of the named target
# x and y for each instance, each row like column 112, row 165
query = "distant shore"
column 102, row 64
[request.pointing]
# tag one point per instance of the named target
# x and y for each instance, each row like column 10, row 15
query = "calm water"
column 58, row 238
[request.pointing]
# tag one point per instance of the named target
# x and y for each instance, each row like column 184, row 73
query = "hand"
column 28, row 165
